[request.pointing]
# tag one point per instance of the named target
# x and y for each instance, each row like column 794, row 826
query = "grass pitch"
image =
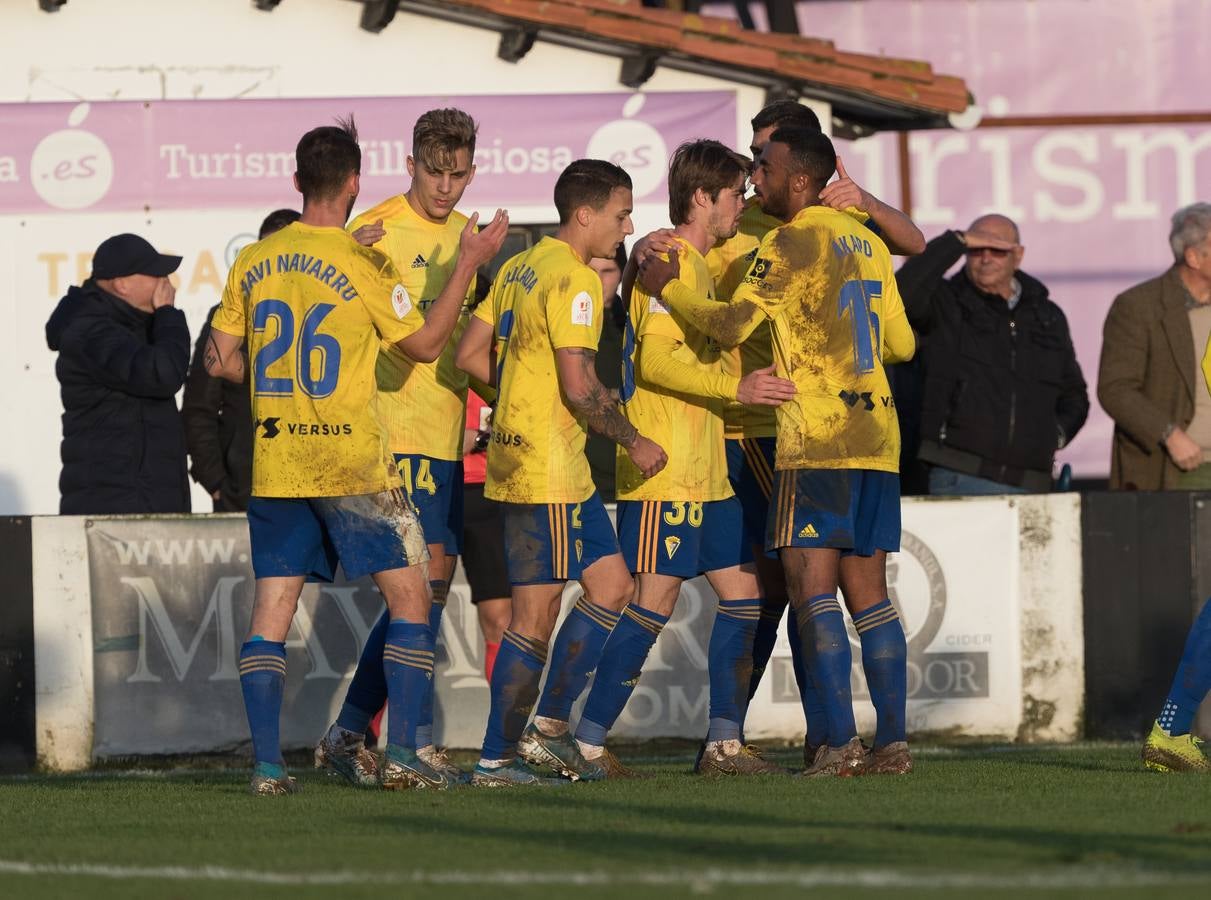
column 997, row 821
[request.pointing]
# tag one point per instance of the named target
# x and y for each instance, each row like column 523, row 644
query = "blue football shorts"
column 750, row 469
column 435, row 487
column 365, row 533
column 682, row 538
column 856, row 511
column 551, row 542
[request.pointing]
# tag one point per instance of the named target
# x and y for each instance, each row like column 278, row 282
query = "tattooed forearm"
column 232, row 369
column 596, row 404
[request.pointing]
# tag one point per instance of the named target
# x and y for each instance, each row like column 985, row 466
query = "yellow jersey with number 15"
column 421, row 405
column 314, row 306
column 827, row 286
column 543, row 300
column 688, row 428
column 729, row 262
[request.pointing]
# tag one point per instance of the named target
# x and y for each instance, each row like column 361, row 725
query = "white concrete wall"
column 221, row 49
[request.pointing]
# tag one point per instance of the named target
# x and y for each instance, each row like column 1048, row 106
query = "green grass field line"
column 971, row 820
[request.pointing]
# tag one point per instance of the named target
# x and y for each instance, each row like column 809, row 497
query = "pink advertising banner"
column 199, row 154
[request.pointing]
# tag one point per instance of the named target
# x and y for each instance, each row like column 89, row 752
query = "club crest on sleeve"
column 582, row 309
column 760, row 270
column 400, row 301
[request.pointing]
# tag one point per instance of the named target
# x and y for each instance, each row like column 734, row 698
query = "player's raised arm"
column 474, row 249
column 728, row 323
column 592, row 399
column 899, row 232
column 475, row 351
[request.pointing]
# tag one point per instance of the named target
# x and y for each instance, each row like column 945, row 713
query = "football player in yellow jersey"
column 685, row 520
column 314, row 307
column 749, row 430
column 544, row 316
column 422, row 406
column 837, row 317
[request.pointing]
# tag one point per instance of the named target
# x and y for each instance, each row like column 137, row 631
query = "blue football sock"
column 618, row 672
column 826, row 645
column 424, row 730
column 885, row 662
column 1193, row 678
column 730, row 666
column 368, row 690
column 574, row 657
column 814, row 713
column 514, row 689
column 765, row 638
column 408, row 668
column 262, row 678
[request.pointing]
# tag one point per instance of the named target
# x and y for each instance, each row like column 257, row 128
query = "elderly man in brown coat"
column 1150, row 380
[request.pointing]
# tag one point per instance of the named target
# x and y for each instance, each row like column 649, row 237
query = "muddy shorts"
column 684, row 539
column 435, row 487
column 856, row 511
column 551, row 542
column 750, row 469
column 365, row 533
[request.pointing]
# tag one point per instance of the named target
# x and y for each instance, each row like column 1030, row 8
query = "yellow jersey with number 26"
column 314, row 306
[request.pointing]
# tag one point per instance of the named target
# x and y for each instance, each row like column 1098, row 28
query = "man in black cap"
column 123, row 354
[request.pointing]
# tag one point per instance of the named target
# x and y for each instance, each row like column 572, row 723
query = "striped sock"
column 262, row 678
column 491, row 649
column 730, row 655
column 408, row 667
column 1193, row 678
column 829, row 660
column 424, row 728
column 618, row 672
column 368, row 690
column 515, row 681
column 885, row 662
column 575, row 655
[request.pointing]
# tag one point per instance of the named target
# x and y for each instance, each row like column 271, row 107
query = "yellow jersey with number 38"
column 421, row 405
column 689, row 429
column 314, row 306
column 543, row 299
column 827, row 286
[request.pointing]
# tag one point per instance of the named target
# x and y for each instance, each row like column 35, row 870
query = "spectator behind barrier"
column 1002, row 390
column 1149, row 379
column 123, row 351
column 218, row 416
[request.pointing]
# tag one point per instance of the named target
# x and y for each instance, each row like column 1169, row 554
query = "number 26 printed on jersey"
column 316, row 359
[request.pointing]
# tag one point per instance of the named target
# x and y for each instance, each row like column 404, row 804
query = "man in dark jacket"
column 1002, row 388
column 123, row 351
column 218, row 415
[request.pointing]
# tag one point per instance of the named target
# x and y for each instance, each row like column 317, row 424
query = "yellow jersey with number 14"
column 826, row 284
column 543, row 300
column 421, row 405
column 688, row 428
column 314, row 306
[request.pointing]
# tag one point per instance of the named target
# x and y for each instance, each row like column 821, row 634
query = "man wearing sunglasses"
column 1002, row 390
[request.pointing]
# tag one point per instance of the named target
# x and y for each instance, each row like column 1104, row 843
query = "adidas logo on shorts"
column 420, row 262
column 808, row 531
